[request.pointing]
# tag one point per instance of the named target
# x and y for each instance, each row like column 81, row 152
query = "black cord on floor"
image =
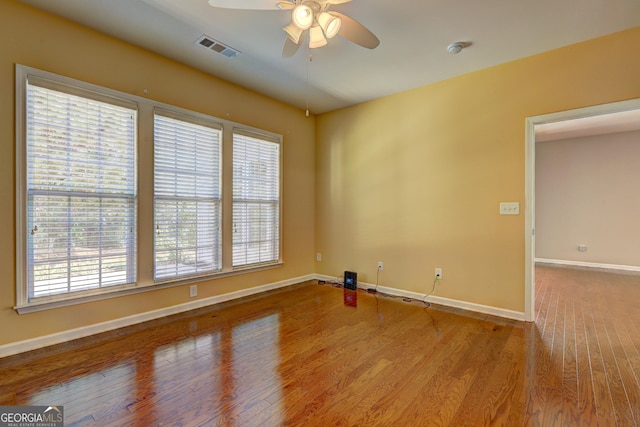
column 337, row 284
column 375, row 289
column 424, row 300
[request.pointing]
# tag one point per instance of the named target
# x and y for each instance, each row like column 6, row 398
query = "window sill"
column 50, row 303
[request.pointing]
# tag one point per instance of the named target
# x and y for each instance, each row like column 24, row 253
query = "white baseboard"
column 85, row 331
column 590, row 265
column 478, row 308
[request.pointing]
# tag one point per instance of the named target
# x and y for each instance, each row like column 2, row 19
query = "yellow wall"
column 40, row 40
column 415, row 179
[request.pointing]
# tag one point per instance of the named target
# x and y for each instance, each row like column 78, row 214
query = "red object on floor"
column 350, row 298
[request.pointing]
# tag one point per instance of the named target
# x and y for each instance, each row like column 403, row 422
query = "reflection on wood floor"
column 307, row 355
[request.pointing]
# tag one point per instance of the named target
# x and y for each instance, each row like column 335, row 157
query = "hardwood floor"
column 589, row 324
column 303, row 356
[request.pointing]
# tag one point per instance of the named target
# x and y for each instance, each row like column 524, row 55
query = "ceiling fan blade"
column 290, row 47
column 246, row 4
column 337, row 1
column 355, row 32
column 284, row 5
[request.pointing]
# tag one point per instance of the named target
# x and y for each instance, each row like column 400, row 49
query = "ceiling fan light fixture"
column 316, row 37
column 293, row 32
column 330, row 24
column 302, row 16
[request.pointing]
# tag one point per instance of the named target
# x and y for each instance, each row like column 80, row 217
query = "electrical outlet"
column 438, row 273
column 318, row 256
column 380, row 266
column 193, row 291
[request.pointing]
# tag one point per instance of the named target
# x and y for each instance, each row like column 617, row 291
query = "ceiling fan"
column 310, row 19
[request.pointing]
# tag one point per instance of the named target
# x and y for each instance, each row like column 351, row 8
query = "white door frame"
column 530, row 178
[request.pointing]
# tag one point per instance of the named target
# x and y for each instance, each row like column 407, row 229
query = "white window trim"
column 23, row 305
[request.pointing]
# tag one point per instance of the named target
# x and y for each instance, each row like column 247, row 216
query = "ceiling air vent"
column 216, row 46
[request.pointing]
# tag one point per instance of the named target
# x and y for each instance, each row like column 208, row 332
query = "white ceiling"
column 414, row 35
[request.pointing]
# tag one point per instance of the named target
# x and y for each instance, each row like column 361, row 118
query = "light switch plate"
column 510, row 208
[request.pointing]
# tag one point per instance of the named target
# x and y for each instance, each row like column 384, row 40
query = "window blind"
column 187, row 204
column 256, row 200
column 81, row 192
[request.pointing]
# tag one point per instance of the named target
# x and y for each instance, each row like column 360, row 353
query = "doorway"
column 580, row 119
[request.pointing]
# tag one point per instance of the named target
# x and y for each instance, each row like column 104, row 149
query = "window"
column 256, row 199
column 80, row 190
column 78, row 167
column 187, row 202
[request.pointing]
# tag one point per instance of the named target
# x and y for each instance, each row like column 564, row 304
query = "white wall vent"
column 216, row 46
